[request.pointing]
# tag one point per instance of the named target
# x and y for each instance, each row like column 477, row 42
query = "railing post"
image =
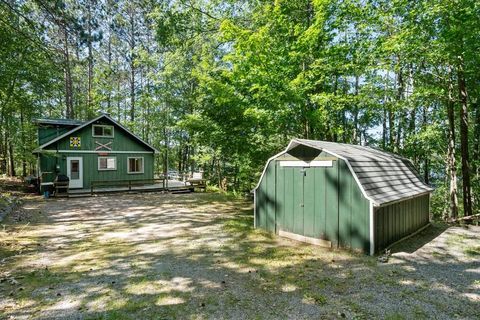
column 91, row 188
column 129, row 185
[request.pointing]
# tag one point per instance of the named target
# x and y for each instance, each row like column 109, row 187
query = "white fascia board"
column 265, row 168
column 93, row 151
column 372, row 233
column 314, row 163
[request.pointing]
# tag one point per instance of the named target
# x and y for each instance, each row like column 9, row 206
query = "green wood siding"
column 395, row 221
column 318, row 202
column 265, row 200
column 121, row 141
column 90, row 167
column 46, row 134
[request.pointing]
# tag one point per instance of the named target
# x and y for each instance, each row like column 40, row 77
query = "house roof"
column 60, row 122
column 85, row 124
column 383, row 177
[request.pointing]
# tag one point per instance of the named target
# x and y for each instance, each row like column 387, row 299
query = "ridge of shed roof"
column 384, row 177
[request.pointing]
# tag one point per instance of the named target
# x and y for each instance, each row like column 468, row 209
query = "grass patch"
column 472, row 251
column 316, row 298
column 395, row 316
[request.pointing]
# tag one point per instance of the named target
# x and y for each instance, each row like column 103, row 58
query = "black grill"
column 61, row 179
column 60, row 184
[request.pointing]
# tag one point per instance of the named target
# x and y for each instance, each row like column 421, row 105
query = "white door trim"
column 314, row 163
column 76, row 183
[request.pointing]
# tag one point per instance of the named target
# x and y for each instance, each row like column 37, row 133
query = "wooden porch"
column 100, row 187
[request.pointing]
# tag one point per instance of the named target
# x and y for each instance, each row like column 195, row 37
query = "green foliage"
column 220, row 86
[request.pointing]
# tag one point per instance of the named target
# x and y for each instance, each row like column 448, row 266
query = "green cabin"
column 341, row 195
column 97, row 150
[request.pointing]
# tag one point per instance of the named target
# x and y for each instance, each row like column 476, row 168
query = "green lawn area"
column 197, row 256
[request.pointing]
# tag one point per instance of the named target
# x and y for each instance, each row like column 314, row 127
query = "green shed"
column 341, row 195
column 99, row 149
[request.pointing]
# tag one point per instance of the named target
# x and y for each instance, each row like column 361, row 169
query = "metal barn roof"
column 60, row 122
column 383, row 176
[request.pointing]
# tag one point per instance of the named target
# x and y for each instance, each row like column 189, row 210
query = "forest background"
column 221, row 85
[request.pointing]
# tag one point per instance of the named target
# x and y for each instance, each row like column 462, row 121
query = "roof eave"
column 384, row 204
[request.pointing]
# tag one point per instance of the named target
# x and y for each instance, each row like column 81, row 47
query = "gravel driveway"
column 196, row 256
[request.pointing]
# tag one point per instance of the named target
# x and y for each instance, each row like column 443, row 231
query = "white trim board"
column 372, row 231
column 299, row 237
column 314, row 163
column 93, row 151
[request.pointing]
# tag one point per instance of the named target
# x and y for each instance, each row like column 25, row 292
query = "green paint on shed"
column 343, row 195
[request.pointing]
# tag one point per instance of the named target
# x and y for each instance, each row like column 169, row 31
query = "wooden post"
column 129, row 185
column 91, row 189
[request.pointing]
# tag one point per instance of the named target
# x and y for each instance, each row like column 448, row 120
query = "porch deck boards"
column 173, row 185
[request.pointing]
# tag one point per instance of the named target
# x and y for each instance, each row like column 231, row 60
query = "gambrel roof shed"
column 341, row 194
column 384, row 177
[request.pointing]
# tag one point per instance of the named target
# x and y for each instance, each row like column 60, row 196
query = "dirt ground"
column 196, row 256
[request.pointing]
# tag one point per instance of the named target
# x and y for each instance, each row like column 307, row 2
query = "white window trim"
column 103, row 126
column 106, row 157
column 128, row 165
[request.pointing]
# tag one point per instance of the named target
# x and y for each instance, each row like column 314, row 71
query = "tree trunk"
column 67, row 74
column 90, row 58
column 400, row 96
column 391, row 129
column 451, row 162
column 11, row 172
column 24, row 148
column 355, row 134
column 132, row 64
column 476, row 141
column 384, row 129
column 467, row 197
column 426, row 161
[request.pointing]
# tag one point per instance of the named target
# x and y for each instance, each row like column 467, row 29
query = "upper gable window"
column 104, row 131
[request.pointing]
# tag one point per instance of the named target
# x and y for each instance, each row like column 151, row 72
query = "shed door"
column 307, row 201
column 290, row 199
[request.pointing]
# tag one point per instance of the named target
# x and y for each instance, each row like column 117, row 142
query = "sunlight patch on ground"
column 288, row 287
column 168, row 301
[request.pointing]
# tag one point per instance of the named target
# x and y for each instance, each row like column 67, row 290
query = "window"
column 102, row 131
column 107, row 163
column 135, row 165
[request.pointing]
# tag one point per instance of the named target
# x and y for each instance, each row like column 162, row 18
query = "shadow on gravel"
column 416, row 242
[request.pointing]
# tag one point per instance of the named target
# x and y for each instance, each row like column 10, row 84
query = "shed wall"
column 317, row 202
column 395, row 221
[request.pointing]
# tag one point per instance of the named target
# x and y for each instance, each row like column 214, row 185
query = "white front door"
column 75, row 171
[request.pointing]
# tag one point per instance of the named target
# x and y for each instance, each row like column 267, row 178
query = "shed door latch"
column 302, row 205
